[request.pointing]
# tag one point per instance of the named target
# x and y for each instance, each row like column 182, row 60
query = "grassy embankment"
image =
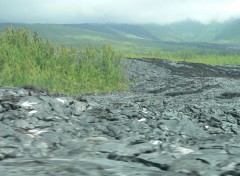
column 29, row 60
column 190, row 41
column 148, row 47
column 184, row 53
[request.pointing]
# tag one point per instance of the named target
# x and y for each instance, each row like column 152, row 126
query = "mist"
column 117, row 11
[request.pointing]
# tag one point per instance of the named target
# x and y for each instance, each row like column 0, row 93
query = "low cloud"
column 116, row 11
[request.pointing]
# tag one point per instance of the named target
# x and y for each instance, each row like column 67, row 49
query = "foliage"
column 96, row 35
column 194, row 56
column 28, row 60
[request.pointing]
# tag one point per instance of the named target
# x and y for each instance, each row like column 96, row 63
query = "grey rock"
column 177, row 119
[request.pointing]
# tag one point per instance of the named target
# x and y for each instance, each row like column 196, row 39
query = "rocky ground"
column 178, row 119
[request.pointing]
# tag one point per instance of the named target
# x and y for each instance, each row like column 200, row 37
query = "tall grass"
column 28, row 60
column 201, row 56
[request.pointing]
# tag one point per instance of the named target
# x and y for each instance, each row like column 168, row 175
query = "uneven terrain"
column 178, row 119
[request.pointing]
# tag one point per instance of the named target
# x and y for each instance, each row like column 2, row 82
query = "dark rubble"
column 178, row 119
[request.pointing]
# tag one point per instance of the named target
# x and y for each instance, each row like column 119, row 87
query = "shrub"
column 28, row 60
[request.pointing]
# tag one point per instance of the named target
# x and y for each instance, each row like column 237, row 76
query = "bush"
column 28, row 60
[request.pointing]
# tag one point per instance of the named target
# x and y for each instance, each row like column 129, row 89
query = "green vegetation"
column 213, row 57
column 215, row 43
column 29, row 60
column 185, row 31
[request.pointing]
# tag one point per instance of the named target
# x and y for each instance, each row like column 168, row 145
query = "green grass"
column 185, row 37
column 29, row 60
column 74, row 69
column 183, row 53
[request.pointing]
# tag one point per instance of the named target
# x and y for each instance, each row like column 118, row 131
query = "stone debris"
column 177, row 119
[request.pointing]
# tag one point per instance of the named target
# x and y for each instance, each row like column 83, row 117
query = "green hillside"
column 176, row 36
column 230, row 32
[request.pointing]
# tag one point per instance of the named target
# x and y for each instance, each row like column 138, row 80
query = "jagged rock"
column 178, row 119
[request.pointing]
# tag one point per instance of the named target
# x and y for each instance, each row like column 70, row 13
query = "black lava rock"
column 178, row 119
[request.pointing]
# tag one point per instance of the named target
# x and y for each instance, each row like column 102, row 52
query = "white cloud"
column 116, row 11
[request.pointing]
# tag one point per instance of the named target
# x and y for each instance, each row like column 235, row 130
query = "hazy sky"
column 116, row 11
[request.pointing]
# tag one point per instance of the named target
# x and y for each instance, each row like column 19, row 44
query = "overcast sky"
column 116, row 11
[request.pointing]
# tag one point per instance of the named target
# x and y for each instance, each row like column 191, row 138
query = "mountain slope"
column 229, row 32
column 148, row 35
